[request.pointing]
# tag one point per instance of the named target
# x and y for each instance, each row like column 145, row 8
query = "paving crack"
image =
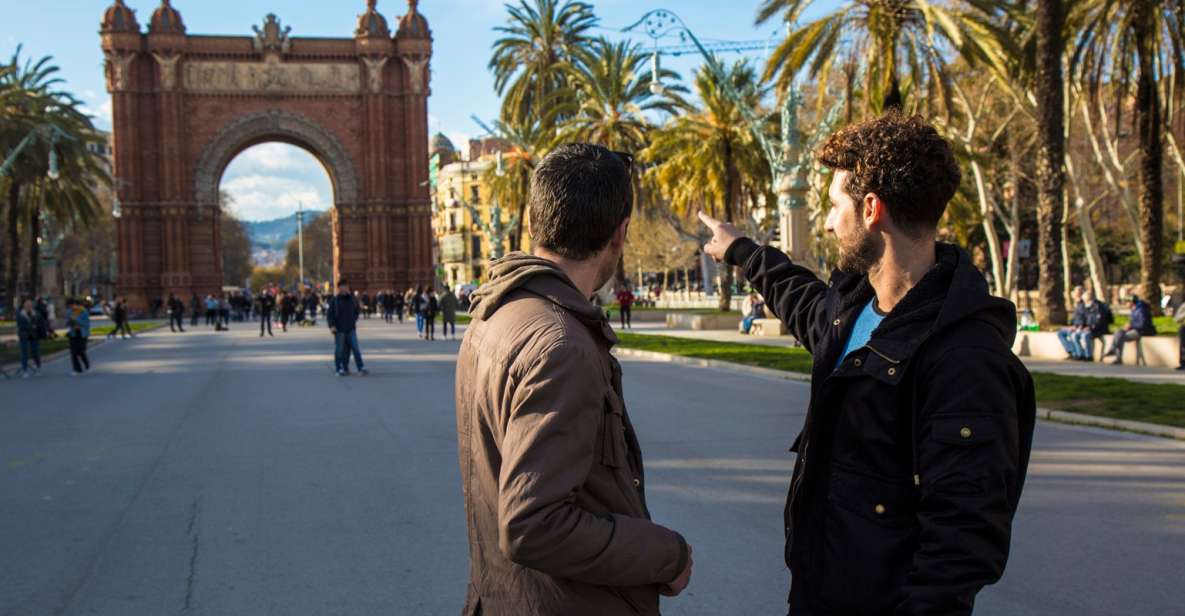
column 195, row 543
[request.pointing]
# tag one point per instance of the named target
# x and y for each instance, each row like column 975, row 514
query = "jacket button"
column 965, row 432
column 879, row 509
column 637, row 483
column 835, row 322
column 892, row 371
column 859, row 362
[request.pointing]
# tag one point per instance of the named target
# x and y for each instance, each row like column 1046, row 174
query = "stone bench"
column 1158, row 351
column 694, row 321
column 768, row 328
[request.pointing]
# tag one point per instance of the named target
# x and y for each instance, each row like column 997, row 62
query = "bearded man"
column 918, row 432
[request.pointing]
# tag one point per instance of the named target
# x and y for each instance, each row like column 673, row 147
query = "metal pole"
column 300, row 240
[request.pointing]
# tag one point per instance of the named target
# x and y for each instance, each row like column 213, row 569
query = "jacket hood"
column 952, row 291
column 519, row 271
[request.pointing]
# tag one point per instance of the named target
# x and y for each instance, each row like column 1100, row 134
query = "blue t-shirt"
column 868, row 321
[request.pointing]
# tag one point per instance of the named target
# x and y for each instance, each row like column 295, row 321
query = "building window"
column 476, row 246
column 474, row 194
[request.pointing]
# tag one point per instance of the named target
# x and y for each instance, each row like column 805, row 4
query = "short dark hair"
column 342, row 282
column 903, row 160
column 580, row 195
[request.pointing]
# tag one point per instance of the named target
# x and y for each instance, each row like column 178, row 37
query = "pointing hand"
column 723, row 235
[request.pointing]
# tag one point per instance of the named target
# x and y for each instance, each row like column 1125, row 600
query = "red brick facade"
column 184, row 106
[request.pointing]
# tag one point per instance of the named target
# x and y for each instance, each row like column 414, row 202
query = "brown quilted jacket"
column 551, row 468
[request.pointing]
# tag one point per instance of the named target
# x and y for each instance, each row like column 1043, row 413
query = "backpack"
column 1105, row 316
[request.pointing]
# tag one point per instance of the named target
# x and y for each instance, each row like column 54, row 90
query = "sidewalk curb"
column 1065, row 417
column 56, row 355
column 1138, row 427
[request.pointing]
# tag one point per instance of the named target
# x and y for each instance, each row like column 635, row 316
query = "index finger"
column 711, row 223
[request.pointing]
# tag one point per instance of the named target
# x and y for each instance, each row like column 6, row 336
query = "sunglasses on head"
column 627, row 159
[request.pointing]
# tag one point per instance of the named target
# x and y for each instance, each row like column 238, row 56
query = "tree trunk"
column 34, row 247
column 729, row 200
column 1098, row 278
column 1151, row 155
column 14, row 245
column 1051, row 177
column 892, row 99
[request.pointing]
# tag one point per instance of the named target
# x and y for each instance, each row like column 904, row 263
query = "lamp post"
column 300, row 241
column 493, row 229
column 788, row 160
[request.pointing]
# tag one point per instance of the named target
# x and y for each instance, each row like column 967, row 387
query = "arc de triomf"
column 185, row 105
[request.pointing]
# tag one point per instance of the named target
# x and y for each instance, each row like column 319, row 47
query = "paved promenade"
column 223, row 474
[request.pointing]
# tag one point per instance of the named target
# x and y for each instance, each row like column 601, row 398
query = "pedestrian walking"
column 431, row 308
column 120, row 316
column 342, row 317
column 195, row 306
column 417, row 306
column 30, row 331
column 176, row 310
column 266, row 304
column 78, row 332
column 625, row 301
column 919, row 428
column 554, row 483
column 211, row 309
column 448, row 313
column 398, row 305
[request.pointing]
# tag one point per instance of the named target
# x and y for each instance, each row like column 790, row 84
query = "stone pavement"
column 1132, row 373
column 224, row 474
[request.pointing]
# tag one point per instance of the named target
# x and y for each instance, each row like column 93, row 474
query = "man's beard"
column 859, row 257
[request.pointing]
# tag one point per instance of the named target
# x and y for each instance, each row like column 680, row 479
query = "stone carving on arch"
column 274, row 125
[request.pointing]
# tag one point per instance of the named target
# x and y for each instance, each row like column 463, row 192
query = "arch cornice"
column 273, row 125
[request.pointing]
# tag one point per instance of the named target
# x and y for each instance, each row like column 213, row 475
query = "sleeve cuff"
column 739, row 251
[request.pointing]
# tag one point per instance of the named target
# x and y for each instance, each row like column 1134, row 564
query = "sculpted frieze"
column 272, row 76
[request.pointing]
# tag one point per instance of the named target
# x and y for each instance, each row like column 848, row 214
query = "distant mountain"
column 273, row 235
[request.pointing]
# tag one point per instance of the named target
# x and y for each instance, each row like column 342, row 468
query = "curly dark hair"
column 903, row 160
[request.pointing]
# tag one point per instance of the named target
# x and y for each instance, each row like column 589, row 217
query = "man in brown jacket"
column 551, row 467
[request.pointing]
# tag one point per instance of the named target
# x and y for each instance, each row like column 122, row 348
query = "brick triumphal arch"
column 185, row 105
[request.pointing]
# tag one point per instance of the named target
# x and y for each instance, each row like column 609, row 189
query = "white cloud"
column 258, row 197
column 268, row 181
column 99, row 107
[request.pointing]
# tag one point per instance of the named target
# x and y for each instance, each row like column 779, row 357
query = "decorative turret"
column 119, row 18
column 413, row 25
column 166, row 20
column 372, row 24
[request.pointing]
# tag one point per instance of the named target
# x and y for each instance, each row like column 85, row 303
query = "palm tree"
column 33, row 105
column 895, row 40
column 529, row 61
column 612, row 96
column 1144, row 39
column 1051, row 171
column 709, row 158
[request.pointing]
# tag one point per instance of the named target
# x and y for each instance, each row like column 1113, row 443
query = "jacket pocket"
column 967, row 430
column 613, row 447
column 870, row 534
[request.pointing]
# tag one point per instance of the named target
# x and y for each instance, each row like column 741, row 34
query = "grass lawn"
column 11, row 353
column 1104, row 397
column 1165, row 326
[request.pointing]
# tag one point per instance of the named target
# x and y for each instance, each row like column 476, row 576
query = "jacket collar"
column 519, row 271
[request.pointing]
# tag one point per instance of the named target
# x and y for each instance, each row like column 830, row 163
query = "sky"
column 268, row 181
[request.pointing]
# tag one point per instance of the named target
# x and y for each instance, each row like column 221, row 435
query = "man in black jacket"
column 917, row 436
column 342, row 317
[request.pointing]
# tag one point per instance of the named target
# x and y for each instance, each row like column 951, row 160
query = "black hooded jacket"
column 915, row 447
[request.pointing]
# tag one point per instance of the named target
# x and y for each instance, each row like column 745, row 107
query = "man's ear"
column 874, row 212
column 623, row 230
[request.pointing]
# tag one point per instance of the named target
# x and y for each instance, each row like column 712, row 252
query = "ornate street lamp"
column 788, row 160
